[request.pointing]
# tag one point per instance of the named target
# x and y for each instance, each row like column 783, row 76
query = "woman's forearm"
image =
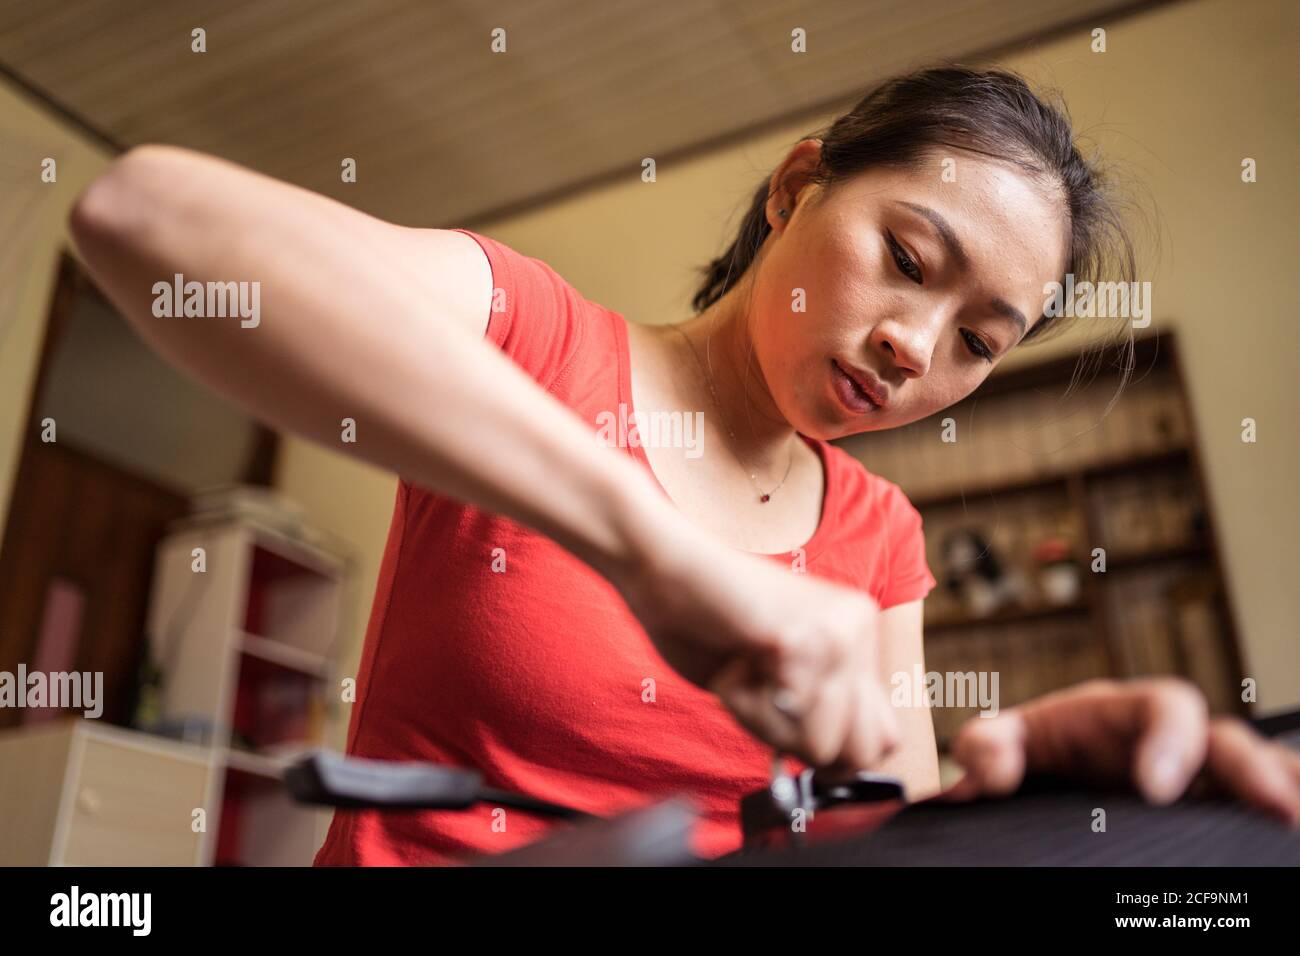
column 348, row 331
column 356, row 322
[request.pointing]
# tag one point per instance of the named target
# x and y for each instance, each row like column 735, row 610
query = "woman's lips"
column 858, row 391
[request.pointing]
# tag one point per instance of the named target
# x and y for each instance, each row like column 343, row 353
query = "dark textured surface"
column 1049, row 823
column 1054, row 828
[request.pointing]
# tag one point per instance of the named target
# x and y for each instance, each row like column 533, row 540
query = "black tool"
column 333, row 780
column 780, row 812
column 657, row 835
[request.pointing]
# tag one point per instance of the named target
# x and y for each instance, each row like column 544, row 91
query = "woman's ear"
column 792, row 182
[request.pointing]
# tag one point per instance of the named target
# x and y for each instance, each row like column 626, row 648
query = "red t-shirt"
column 538, row 676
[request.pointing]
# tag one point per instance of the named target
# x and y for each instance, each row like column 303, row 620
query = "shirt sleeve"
column 909, row 574
column 535, row 315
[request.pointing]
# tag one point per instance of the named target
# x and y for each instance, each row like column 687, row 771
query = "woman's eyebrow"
column 949, row 238
column 945, row 231
column 1002, row 307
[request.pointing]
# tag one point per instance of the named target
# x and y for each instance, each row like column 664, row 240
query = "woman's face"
column 913, row 287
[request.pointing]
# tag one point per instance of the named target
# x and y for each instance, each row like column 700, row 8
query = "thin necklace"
column 764, row 496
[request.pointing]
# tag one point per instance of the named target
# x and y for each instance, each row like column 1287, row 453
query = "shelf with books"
column 1052, row 509
column 1124, row 561
column 1056, row 480
column 1014, row 615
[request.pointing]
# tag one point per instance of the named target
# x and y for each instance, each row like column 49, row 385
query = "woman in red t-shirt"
column 623, row 560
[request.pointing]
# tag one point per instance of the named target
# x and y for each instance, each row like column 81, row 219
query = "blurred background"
column 119, row 479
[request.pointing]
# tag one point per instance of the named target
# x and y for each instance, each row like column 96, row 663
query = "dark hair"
column 991, row 112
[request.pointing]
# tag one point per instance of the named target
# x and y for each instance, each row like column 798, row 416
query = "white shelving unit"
column 246, row 633
column 78, row 792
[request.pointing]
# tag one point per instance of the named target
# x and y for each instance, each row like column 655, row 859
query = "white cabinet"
column 77, row 792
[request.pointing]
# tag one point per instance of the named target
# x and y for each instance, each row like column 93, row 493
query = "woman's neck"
column 721, row 337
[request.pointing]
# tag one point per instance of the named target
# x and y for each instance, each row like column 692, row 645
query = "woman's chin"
column 824, row 422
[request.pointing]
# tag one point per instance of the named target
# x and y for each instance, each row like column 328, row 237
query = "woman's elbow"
column 117, row 202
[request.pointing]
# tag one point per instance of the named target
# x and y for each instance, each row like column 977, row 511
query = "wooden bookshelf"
column 1172, row 457
column 1035, row 461
column 1015, row 615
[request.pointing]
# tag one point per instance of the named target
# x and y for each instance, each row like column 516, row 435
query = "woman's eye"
column 976, row 345
column 904, row 262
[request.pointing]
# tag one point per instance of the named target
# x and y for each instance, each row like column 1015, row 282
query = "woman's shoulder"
column 540, row 319
column 862, row 485
column 879, row 540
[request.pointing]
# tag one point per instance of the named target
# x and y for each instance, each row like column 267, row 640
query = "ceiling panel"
column 444, row 131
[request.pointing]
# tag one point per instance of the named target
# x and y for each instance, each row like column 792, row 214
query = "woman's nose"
column 909, row 347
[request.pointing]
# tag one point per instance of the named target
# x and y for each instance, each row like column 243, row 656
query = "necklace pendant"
column 765, row 498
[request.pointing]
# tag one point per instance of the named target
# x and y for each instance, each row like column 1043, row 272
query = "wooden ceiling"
column 446, row 132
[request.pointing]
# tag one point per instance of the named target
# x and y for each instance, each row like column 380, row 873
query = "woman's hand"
column 793, row 657
column 1153, row 733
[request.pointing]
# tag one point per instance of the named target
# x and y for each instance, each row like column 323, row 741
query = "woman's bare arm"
column 365, row 320
column 916, row 761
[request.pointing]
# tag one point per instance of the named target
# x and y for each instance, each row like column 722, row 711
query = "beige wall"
column 1182, row 95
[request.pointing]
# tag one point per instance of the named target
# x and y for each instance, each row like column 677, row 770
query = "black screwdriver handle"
column 335, row 780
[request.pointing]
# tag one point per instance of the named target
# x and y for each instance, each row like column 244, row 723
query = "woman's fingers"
column 814, row 727
column 1293, row 765
column 1173, row 727
column 1151, row 733
column 992, row 751
column 735, row 687
column 1247, row 766
column 874, row 730
column 832, row 712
